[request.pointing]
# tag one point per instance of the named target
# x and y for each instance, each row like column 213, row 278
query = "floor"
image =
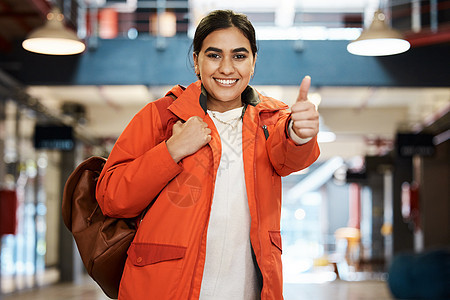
column 338, row 290
column 361, row 290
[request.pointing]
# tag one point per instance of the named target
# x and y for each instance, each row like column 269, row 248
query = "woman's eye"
column 213, row 55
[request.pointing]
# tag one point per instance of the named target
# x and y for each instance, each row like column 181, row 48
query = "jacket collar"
column 191, row 101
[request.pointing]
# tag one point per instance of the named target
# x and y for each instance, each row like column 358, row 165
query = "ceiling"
column 19, row 17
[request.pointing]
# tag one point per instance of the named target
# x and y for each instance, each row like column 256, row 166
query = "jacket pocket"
column 152, row 271
column 143, row 254
column 268, row 119
column 275, row 238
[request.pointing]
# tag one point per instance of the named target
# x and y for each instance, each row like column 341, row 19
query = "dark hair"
column 222, row 19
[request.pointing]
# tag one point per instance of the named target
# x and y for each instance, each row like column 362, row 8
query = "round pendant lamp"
column 53, row 38
column 378, row 40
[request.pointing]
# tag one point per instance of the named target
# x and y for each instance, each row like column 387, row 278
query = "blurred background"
column 380, row 189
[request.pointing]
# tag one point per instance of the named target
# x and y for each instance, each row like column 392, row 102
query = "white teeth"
column 226, row 81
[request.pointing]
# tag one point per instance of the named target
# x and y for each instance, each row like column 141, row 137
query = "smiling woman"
column 224, row 58
column 210, row 158
column 225, row 64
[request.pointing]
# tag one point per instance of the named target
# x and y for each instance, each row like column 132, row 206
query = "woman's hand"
column 305, row 117
column 187, row 138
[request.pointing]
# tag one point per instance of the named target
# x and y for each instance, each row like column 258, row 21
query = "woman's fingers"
column 188, row 137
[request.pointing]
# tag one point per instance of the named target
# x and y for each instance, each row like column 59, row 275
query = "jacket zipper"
column 266, row 132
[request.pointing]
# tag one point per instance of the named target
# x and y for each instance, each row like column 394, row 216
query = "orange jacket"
column 166, row 259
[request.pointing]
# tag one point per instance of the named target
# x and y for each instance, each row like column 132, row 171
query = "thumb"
column 304, row 88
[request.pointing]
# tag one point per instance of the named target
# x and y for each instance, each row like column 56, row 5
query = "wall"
column 123, row 61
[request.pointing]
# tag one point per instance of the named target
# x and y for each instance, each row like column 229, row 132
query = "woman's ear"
column 196, row 66
column 254, row 64
column 195, row 57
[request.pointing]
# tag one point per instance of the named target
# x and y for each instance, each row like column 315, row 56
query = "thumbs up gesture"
column 305, row 118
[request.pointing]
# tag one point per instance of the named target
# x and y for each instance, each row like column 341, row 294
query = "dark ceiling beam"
column 12, row 14
column 22, row 23
column 152, row 4
column 8, row 10
column 426, row 37
column 5, row 45
column 405, row 11
column 436, row 32
column 41, row 6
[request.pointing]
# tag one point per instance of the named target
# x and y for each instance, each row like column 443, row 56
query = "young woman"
column 210, row 162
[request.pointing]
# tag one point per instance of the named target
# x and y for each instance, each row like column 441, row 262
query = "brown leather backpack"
column 102, row 241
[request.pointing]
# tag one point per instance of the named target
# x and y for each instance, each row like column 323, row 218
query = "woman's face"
column 225, row 64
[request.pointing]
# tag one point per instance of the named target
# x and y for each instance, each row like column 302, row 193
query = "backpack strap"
column 168, row 119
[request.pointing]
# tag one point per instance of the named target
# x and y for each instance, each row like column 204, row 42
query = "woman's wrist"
column 174, row 151
column 298, row 140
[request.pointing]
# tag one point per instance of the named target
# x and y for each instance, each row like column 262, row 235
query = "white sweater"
column 229, row 271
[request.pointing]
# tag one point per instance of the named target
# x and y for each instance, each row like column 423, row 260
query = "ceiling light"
column 379, row 39
column 53, row 38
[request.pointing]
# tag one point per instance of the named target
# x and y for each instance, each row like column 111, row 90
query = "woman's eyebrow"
column 214, row 49
column 242, row 49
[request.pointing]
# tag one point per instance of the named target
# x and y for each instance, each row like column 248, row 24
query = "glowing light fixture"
column 53, row 37
column 379, row 39
column 164, row 24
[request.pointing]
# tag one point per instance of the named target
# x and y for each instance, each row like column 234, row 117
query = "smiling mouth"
column 226, row 81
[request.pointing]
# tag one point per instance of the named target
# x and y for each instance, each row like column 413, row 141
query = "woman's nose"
column 226, row 66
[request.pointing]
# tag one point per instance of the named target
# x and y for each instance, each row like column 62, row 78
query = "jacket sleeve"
column 285, row 155
column 138, row 168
